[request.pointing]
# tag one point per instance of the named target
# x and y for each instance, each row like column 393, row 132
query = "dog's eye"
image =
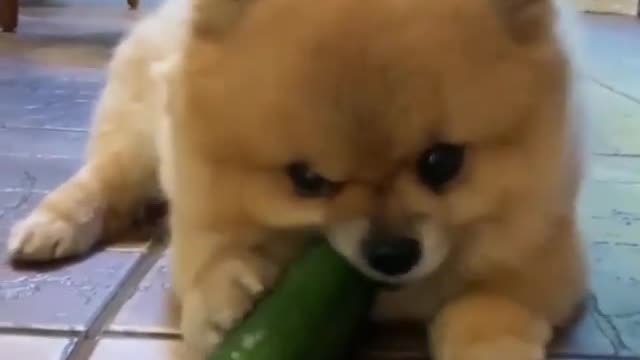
column 308, row 183
column 440, row 164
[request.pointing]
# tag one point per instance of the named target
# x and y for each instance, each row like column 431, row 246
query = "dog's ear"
column 218, row 17
column 525, row 20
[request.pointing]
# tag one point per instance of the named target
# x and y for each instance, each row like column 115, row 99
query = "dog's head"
column 407, row 130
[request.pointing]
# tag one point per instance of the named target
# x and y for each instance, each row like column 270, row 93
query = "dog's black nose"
column 391, row 255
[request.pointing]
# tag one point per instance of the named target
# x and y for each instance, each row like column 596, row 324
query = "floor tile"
column 19, row 347
column 620, row 7
column 42, row 143
column 144, row 349
column 84, row 29
column 610, row 220
column 156, row 349
column 60, row 297
column 623, row 170
column 610, row 213
column 612, row 45
column 46, row 174
column 47, row 96
column 16, row 204
column 584, row 336
column 136, row 240
column 616, row 290
column 152, row 309
column 614, row 121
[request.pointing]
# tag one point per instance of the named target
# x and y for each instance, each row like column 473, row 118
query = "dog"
column 433, row 142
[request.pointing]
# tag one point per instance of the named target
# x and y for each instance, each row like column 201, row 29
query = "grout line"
column 68, row 349
column 60, row 333
column 23, row 190
column 617, row 155
column 85, row 346
column 606, row 86
column 44, row 128
column 82, row 349
column 126, row 290
column 41, row 156
column 140, row 335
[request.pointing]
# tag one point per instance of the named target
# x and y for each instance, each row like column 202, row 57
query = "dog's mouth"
column 392, row 258
column 387, row 265
column 390, row 255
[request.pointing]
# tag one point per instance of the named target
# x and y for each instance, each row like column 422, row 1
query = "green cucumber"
column 312, row 314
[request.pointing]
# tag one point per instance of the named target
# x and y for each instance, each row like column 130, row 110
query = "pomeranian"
column 434, row 143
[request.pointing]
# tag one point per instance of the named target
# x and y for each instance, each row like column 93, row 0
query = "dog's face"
column 406, row 130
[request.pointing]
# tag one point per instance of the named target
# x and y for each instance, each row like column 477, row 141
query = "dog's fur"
column 217, row 97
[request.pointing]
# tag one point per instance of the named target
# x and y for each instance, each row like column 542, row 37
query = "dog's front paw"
column 223, row 294
column 505, row 348
column 488, row 327
column 45, row 235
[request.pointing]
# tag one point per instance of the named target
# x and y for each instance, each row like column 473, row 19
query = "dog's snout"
column 391, row 255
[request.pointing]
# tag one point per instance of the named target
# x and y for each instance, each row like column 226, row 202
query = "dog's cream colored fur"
column 210, row 100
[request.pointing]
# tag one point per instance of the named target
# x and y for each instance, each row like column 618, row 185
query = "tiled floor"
column 115, row 303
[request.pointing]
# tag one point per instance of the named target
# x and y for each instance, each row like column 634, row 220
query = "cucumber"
column 312, row 314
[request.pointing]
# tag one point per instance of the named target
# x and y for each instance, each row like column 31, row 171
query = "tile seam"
column 125, row 289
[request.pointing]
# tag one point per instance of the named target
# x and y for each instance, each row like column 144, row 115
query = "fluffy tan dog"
column 433, row 142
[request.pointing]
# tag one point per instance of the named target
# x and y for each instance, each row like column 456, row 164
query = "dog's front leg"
column 483, row 326
column 218, row 278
